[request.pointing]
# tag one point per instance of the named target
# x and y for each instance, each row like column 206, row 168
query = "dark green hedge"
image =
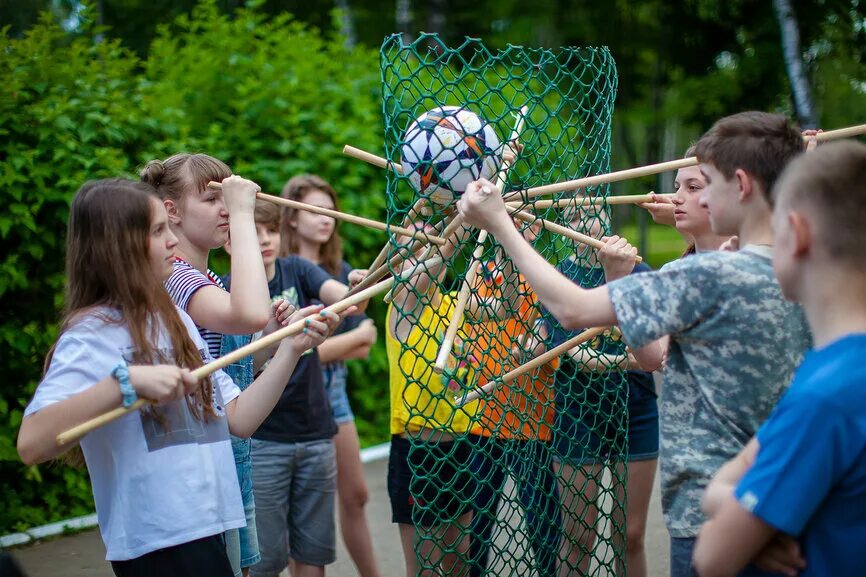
column 268, row 95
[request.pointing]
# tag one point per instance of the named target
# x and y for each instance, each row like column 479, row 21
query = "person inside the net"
column 734, row 340
column 430, row 484
column 606, row 413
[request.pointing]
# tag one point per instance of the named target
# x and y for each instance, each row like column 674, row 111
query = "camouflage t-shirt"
column 734, row 345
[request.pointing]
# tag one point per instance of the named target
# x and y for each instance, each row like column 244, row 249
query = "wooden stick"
column 375, row 271
column 472, row 267
column 359, row 220
column 296, row 327
column 856, row 130
column 566, row 232
column 582, row 201
column 651, row 169
column 531, row 365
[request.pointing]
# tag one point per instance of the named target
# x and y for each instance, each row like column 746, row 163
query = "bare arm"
column 354, row 344
column 726, row 478
column 37, row 438
column 573, row 306
column 246, row 308
column 730, row 540
column 253, row 405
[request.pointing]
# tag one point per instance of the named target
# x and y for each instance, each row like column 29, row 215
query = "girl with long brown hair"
column 163, row 481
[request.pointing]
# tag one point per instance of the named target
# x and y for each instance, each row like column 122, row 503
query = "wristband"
column 121, row 373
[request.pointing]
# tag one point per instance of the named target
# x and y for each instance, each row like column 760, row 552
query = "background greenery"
column 89, row 93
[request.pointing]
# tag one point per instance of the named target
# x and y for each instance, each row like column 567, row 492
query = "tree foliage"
column 267, row 95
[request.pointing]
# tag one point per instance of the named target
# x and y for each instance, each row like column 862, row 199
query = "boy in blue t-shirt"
column 734, row 340
column 799, row 502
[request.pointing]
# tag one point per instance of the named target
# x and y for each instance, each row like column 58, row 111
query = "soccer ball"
column 445, row 149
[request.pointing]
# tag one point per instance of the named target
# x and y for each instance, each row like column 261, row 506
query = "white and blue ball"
column 445, row 149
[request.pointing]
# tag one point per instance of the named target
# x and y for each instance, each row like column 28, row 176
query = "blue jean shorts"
column 334, row 375
column 242, row 545
column 295, row 486
column 591, row 421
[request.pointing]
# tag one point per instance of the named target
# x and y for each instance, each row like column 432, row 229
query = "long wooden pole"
column 295, row 328
column 581, row 201
column 359, row 220
column 651, row 169
column 541, row 359
column 551, row 226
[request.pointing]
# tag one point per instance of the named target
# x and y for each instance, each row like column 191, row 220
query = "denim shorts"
column 295, row 485
column 242, row 545
column 591, row 422
column 334, row 375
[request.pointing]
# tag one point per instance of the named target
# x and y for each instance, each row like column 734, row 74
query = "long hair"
column 330, row 253
column 107, row 265
column 183, row 173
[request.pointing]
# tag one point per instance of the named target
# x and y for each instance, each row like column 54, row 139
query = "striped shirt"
column 184, row 281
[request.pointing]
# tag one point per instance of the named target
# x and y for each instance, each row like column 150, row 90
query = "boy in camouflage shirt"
column 734, row 340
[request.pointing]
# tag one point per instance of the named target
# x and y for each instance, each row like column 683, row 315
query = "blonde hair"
column 183, row 173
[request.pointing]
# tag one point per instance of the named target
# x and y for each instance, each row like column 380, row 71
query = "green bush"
column 269, row 96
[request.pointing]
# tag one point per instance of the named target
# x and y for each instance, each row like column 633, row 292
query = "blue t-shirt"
column 809, row 478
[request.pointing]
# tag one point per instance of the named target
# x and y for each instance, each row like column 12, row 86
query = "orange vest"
column 523, row 408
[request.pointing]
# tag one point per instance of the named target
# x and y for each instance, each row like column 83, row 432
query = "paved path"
column 82, row 555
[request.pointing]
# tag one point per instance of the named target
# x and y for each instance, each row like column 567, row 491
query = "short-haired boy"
column 804, row 473
column 734, row 340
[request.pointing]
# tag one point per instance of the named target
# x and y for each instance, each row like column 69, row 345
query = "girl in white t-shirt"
column 163, row 480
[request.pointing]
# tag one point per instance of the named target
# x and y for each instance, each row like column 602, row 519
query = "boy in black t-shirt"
column 294, row 461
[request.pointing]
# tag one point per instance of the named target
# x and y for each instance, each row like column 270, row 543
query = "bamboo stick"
column 566, row 232
column 583, row 201
column 75, row 433
column 359, row 220
column 541, row 359
column 651, row 169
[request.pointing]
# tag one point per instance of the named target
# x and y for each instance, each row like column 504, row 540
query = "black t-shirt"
column 349, row 323
column 303, row 412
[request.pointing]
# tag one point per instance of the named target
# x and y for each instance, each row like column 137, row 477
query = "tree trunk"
column 403, row 19
column 790, row 32
column 347, row 28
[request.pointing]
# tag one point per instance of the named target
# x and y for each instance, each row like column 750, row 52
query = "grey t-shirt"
column 734, row 344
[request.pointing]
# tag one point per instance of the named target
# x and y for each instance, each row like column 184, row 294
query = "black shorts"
column 429, row 483
column 200, row 558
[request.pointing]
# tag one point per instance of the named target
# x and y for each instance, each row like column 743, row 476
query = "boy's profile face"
column 720, row 198
column 269, row 241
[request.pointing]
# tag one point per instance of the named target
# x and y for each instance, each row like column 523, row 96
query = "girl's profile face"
column 161, row 242
column 205, row 218
column 311, row 227
column 690, row 216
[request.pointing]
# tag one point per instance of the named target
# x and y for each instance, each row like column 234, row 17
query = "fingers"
column 356, row 276
column 189, row 381
column 782, row 555
column 305, row 312
column 282, row 310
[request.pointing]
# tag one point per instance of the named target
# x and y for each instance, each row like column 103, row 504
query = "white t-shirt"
column 154, row 486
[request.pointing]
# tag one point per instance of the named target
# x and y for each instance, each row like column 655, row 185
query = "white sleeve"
column 81, row 359
column 229, row 391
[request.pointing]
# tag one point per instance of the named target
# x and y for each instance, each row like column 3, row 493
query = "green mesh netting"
column 531, row 478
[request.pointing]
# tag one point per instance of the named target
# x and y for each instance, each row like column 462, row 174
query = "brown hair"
column 107, row 265
column 267, row 214
column 183, row 173
column 330, row 253
column 831, row 182
column 759, row 143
